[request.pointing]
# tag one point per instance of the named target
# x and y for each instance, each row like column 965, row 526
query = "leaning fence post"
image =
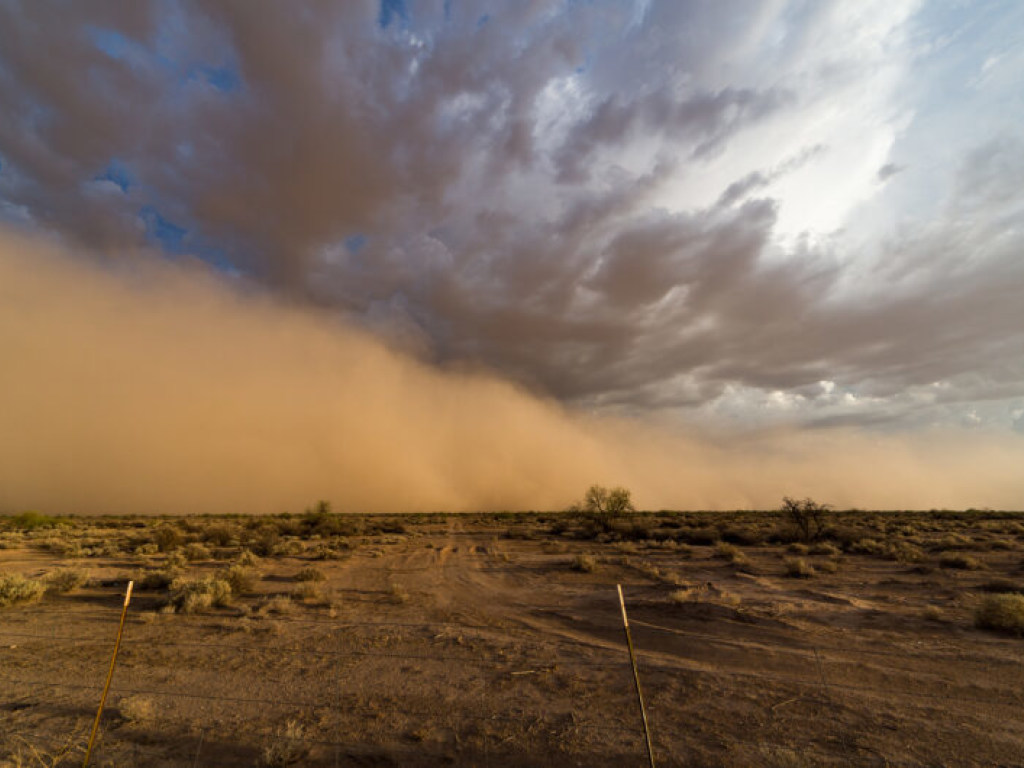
column 636, row 678
column 110, row 675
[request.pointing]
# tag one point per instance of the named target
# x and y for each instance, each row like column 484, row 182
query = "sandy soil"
column 489, row 641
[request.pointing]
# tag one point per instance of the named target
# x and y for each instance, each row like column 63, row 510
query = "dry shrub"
column 961, row 562
column 827, row 566
column 583, row 563
column 731, row 553
column 310, row 574
column 191, row 595
column 156, row 579
column 1002, row 613
column 398, row 594
column 286, row 747
column 241, row 578
column 167, row 538
column 18, row 589
column 798, row 568
column 278, row 604
column 65, row 579
column 195, row 551
column 246, row 557
column 824, row 548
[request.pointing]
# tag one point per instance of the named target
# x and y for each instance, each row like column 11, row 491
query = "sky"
column 748, row 233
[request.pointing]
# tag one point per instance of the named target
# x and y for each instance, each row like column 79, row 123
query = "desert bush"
column 807, row 516
column 196, row 551
column 797, row 567
column 310, row 574
column 286, row 747
column 868, row 547
column 146, row 549
column 160, row 579
column 827, row 566
column 961, row 562
column 730, row 553
column 1002, row 613
column 583, row 563
column 31, row 521
column 65, row 579
column 191, row 595
column 221, row 535
column 903, row 552
column 704, row 536
column 246, row 557
column 241, row 578
column 798, row 548
column 277, row 604
column 19, row 589
column 167, row 538
column 824, row 548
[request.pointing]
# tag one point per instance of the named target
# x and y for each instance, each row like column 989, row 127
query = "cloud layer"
column 157, row 388
column 803, row 216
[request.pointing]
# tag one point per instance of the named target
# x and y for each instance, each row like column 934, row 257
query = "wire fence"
column 678, row 662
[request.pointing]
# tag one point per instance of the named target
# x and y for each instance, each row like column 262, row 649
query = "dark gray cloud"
column 491, row 184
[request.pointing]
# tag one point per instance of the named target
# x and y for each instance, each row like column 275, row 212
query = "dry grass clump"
column 241, row 578
column 798, row 568
column 191, row 595
column 136, row 708
column 961, row 562
column 730, row 553
column 278, row 604
column 310, row 574
column 286, row 748
column 246, row 557
column 398, row 594
column 827, row 566
column 64, row 580
column 583, row 563
column 1002, row 613
column 167, row 538
column 705, row 592
column 18, row 589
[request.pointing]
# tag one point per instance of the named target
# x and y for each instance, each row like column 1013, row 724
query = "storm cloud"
column 715, row 214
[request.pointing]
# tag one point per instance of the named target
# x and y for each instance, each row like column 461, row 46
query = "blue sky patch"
column 389, row 9
column 159, row 231
column 118, row 173
column 355, row 243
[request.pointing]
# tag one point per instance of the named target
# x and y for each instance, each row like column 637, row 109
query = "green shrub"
column 18, row 589
column 1002, row 613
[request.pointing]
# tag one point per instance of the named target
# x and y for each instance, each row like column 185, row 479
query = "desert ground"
column 320, row 639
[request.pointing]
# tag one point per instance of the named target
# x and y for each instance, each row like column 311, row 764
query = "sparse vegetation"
column 65, row 579
column 18, row 589
column 960, row 562
column 191, row 595
column 583, row 563
column 310, row 574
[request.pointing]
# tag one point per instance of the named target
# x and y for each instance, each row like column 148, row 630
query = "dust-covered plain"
column 318, row 639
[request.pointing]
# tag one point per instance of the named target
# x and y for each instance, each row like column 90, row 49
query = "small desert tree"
column 608, row 502
column 807, row 516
